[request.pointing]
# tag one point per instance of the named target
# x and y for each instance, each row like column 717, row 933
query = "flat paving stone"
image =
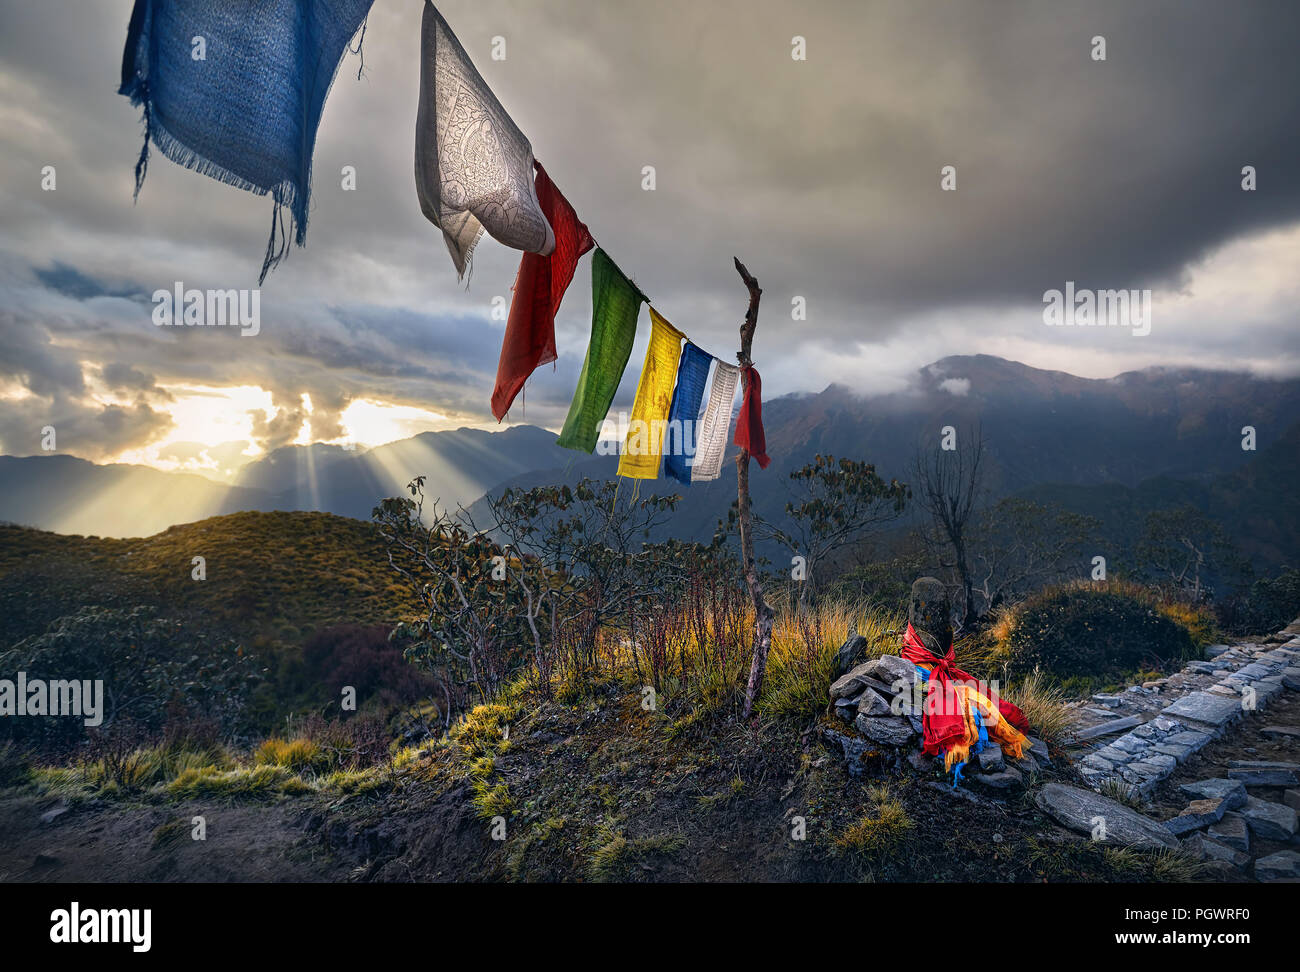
column 1232, row 792
column 1106, row 728
column 1203, row 707
column 1231, row 830
column 1269, row 820
column 1284, row 866
column 1197, row 814
column 1084, row 810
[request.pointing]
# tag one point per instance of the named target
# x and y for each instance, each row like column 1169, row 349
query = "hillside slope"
column 269, row 575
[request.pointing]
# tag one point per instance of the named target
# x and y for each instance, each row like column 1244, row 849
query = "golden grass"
column 617, row 857
column 482, row 730
column 1044, row 705
column 294, row 754
column 881, row 831
column 256, row 781
column 801, row 662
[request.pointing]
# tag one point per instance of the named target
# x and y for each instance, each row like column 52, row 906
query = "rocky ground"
column 1201, row 733
column 1213, row 747
column 604, row 790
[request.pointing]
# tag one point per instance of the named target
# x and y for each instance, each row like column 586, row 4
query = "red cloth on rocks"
column 539, row 288
column 942, row 722
column 749, row 425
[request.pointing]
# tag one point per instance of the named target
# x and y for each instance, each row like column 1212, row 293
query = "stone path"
column 1141, row 735
column 1135, row 738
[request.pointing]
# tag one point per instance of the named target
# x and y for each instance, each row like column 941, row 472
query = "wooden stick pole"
column 762, row 612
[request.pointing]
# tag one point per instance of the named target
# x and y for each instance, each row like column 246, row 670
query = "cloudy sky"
column 823, row 175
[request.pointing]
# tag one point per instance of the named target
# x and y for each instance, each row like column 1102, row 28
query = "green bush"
column 150, row 666
column 1272, row 603
column 1090, row 630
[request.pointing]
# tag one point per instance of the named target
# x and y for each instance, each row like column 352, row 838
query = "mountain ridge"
column 1041, row 427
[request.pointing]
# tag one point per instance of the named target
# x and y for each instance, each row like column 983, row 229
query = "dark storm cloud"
column 823, row 175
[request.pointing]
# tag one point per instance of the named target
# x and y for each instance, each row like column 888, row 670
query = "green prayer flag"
column 615, row 304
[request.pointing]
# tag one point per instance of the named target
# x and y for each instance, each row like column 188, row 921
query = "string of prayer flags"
column 243, row 107
column 539, row 288
column 615, row 304
column 749, row 425
column 473, row 166
column 684, row 416
column 654, row 393
column 712, row 440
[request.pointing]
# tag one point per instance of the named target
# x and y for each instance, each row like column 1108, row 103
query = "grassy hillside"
column 270, row 576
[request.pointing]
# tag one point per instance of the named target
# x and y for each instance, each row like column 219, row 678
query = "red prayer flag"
column 749, row 425
column 539, row 288
column 942, row 723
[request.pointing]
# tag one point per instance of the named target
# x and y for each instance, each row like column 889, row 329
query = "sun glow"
column 371, row 423
column 213, row 432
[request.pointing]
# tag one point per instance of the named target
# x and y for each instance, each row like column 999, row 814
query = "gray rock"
column 850, row 684
column 1114, row 755
column 1291, row 679
column 1166, row 764
column 1231, row 792
column 1263, row 764
column 846, row 709
column 1188, row 737
column 1079, row 810
column 852, row 653
column 1197, row 814
column 1269, row 820
column 1264, row 776
column 1094, row 762
column 1106, row 728
column 1292, row 799
column 1131, row 744
column 887, row 730
column 1284, row 866
column 870, row 703
column 990, row 758
column 1179, row 753
column 1214, row 651
column 1027, row 763
column 1213, row 710
column 886, row 690
column 1231, row 830
column 891, row 669
column 1152, row 769
column 1039, row 749
column 49, row 816
column 1205, row 848
column 1002, row 779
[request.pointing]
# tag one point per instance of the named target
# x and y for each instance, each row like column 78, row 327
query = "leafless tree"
column 1019, row 545
column 947, row 484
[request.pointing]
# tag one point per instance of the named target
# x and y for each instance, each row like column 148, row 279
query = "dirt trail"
column 104, row 841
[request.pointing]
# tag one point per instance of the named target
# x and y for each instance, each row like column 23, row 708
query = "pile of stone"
column 880, row 699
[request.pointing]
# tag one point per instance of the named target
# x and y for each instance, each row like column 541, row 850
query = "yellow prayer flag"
column 654, row 396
